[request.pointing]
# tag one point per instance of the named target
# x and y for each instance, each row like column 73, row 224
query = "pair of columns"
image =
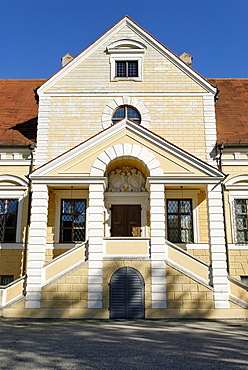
column 37, row 245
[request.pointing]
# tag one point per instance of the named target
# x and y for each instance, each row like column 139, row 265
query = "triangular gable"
column 173, row 161
column 127, row 21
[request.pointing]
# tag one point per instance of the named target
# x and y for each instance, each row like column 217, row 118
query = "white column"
column 158, row 247
column 37, row 245
column 217, row 246
column 95, row 248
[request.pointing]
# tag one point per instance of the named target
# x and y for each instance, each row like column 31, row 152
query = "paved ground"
column 165, row 344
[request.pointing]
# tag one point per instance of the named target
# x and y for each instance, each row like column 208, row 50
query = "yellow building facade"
column 121, row 206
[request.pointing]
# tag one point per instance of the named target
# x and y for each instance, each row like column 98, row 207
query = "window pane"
column 12, row 206
column 185, row 206
column 241, row 216
column 2, row 204
column 67, row 235
column 173, row 221
column 8, row 220
column 241, row 221
column 133, row 114
column 179, row 220
column 73, row 220
column 119, row 114
column 67, row 221
column 121, row 69
column 186, row 236
column 9, row 235
column 186, row 221
column 133, row 69
column 173, row 235
column 7, row 279
column 244, row 280
column 67, row 206
column 79, row 207
column 240, row 206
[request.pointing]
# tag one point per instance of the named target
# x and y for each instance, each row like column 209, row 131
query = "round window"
column 126, row 112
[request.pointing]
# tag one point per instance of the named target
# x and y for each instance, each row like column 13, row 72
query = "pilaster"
column 37, row 245
column 217, row 246
column 158, row 246
column 95, row 247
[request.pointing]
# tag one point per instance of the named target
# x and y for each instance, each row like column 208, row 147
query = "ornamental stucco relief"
column 126, row 179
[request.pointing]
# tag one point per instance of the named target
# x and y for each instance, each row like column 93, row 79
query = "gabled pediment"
column 74, row 76
column 126, row 139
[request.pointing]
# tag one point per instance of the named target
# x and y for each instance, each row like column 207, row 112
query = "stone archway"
column 126, row 150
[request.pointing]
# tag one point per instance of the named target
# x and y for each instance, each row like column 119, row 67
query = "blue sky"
column 34, row 34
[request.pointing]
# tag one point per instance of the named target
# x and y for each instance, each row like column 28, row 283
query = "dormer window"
column 126, row 60
column 127, row 68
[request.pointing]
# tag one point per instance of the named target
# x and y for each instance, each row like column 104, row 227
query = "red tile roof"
column 232, row 110
column 18, row 111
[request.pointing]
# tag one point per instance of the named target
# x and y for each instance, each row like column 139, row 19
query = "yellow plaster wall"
column 109, row 267
column 51, row 218
column 19, row 171
column 93, row 74
column 202, row 218
column 11, row 262
column 185, row 293
column 202, row 254
column 177, row 119
column 70, row 292
column 82, row 164
column 238, row 263
column 235, row 170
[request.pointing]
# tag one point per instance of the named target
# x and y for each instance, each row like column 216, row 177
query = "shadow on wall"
column 67, row 298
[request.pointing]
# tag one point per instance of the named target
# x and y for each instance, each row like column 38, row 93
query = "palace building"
column 124, row 187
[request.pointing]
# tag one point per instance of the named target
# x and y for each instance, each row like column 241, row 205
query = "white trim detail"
column 148, row 39
column 13, row 179
column 210, row 129
column 237, row 181
column 126, row 150
column 217, row 247
column 126, row 50
column 42, row 132
column 125, row 100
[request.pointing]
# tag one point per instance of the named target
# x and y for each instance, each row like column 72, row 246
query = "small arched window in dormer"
column 128, row 112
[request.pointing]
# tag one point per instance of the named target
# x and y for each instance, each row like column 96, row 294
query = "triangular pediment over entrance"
column 129, row 140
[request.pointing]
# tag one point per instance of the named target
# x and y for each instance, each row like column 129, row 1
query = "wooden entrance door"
column 126, row 220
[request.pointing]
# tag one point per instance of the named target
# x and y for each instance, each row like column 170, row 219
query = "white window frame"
column 126, row 51
column 68, row 194
column 187, row 194
column 19, row 196
column 233, row 195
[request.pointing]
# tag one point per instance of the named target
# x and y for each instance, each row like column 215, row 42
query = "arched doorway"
column 127, row 298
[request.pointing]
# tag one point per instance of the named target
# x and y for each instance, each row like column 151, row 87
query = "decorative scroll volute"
column 126, row 179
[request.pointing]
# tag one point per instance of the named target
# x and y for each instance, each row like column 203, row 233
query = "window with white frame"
column 73, row 220
column 241, row 220
column 180, row 220
column 8, row 220
column 126, row 60
column 126, row 68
